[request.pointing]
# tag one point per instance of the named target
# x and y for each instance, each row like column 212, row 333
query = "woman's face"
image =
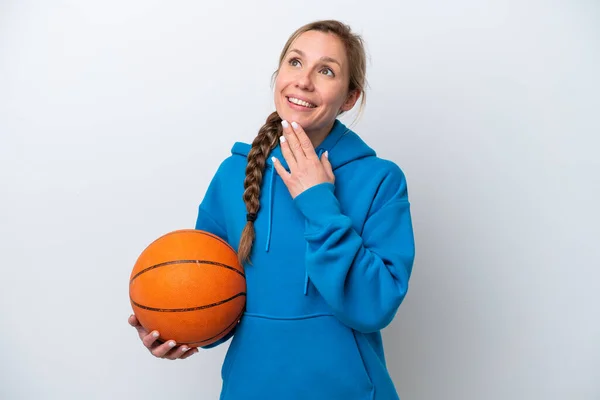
column 311, row 87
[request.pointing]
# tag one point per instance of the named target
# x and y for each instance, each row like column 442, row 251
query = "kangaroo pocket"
column 313, row 358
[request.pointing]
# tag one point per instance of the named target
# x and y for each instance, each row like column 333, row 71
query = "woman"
column 324, row 231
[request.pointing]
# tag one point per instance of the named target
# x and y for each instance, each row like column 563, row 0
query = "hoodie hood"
column 343, row 145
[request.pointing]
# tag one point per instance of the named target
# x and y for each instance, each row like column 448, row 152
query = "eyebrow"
column 324, row 58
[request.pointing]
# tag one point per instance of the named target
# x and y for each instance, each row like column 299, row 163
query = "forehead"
column 317, row 44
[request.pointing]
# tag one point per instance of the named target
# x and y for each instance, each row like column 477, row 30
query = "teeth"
column 300, row 102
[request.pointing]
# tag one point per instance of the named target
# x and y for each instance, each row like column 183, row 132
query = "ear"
column 350, row 100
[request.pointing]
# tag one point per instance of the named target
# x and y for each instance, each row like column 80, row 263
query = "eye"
column 328, row 71
column 294, row 62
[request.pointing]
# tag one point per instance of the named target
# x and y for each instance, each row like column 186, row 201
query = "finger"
column 189, row 353
column 179, row 352
column 327, row 165
column 293, row 142
column 133, row 321
column 287, row 153
column 149, row 339
column 162, row 350
column 304, row 141
column 142, row 332
column 176, row 352
column 280, row 170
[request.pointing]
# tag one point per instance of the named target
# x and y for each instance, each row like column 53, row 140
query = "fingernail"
column 326, row 154
column 285, row 123
column 155, row 334
column 184, row 349
column 273, row 159
column 282, row 139
column 294, row 125
column 171, row 344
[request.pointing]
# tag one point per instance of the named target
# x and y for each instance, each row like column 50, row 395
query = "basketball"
column 189, row 286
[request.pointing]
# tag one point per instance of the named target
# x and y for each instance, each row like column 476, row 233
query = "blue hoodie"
column 328, row 272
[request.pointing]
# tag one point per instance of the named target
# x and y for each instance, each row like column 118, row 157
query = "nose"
column 304, row 81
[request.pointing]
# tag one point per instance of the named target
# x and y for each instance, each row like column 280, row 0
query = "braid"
column 265, row 141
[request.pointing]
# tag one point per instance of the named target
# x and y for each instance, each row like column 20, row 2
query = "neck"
column 318, row 135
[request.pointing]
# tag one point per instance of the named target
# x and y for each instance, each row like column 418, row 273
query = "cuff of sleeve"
column 318, row 203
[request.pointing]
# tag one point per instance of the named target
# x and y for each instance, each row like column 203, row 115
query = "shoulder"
column 387, row 181
column 387, row 169
column 353, row 151
column 235, row 161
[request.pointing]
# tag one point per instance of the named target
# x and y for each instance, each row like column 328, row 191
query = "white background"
column 115, row 114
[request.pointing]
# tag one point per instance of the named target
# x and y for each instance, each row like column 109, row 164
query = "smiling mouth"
column 301, row 103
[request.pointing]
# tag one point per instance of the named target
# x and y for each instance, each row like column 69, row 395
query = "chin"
column 291, row 116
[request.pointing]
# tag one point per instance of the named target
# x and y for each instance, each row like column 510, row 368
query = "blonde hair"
column 268, row 135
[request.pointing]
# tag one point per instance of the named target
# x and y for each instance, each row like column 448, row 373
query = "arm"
column 363, row 277
column 209, row 215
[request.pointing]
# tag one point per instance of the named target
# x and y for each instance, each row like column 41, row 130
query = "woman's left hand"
column 306, row 169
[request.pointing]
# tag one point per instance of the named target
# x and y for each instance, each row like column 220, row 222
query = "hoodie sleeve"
column 210, row 219
column 362, row 276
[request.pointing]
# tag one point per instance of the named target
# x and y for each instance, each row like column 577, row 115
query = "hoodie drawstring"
column 270, row 220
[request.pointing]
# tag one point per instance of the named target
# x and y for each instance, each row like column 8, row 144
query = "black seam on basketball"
column 161, row 341
column 220, row 333
column 207, row 262
column 193, row 231
column 187, row 309
column 215, row 237
column 198, row 231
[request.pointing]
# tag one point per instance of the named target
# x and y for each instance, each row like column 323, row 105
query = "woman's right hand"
column 168, row 350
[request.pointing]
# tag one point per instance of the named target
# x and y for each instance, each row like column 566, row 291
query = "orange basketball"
column 189, row 286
